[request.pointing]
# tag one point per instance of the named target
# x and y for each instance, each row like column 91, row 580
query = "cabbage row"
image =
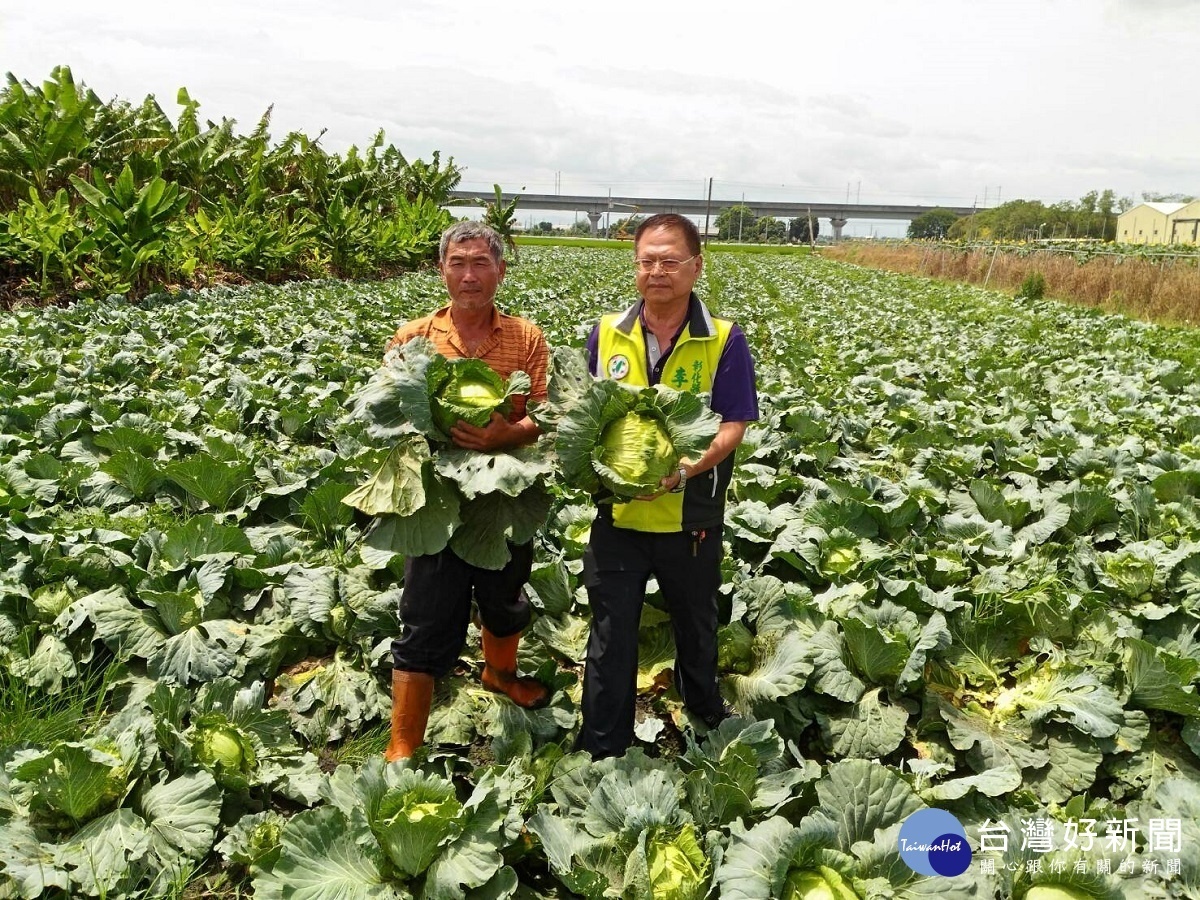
column 963, row 571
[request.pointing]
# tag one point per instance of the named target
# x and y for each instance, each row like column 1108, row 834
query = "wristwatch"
column 683, row 476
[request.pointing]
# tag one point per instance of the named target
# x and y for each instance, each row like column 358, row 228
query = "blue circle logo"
column 933, row 842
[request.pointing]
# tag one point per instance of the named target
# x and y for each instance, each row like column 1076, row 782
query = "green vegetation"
column 804, row 229
column 31, row 715
column 1033, row 287
column 1159, row 285
column 1094, row 215
column 501, row 217
column 737, row 223
column 571, row 240
column 99, row 198
column 933, row 225
column 963, row 569
column 615, row 244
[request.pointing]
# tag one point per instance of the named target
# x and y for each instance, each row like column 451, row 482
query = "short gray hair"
column 469, row 231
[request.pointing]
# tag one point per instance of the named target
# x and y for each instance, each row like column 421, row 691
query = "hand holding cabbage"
column 420, row 391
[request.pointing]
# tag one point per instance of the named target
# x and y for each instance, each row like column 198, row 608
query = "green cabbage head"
column 471, row 392
column 1057, row 892
column 634, row 455
column 735, row 649
column 1132, row 574
column 821, row 883
column 678, row 867
column 620, row 441
column 50, row 600
column 419, row 391
column 416, row 818
column 222, row 749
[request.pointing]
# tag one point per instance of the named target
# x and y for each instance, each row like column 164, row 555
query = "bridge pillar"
column 594, row 219
column 838, row 225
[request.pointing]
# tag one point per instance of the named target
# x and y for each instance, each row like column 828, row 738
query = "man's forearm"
column 525, row 432
column 498, row 434
column 729, row 435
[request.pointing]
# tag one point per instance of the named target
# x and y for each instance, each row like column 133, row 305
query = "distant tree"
column 798, row 229
column 545, row 227
column 1092, row 215
column 1152, row 197
column 1108, row 222
column 736, row 223
column 1015, row 220
column 771, row 230
column 581, row 228
column 932, row 226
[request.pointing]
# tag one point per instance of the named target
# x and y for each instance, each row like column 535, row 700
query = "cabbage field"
column 962, row 572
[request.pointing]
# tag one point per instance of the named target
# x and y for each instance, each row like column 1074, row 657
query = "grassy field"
column 529, row 240
column 1157, row 290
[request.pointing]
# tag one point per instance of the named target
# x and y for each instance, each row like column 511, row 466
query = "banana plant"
column 414, row 228
column 55, row 234
column 500, row 216
column 44, row 134
column 131, row 221
column 431, row 179
column 345, row 233
column 204, row 162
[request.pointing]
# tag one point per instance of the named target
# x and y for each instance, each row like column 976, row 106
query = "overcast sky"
column 887, row 101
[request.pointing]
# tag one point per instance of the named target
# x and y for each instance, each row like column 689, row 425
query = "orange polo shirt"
column 514, row 343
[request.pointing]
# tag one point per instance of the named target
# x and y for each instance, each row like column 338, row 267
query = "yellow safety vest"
column 621, row 355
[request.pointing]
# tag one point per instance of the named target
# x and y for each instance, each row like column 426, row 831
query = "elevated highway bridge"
column 595, row 207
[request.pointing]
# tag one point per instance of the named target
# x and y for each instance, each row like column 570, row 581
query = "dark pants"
column 616, row 566
column 435, row 607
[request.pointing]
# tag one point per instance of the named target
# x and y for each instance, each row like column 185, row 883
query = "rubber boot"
column 500, row 672
column 412, row 695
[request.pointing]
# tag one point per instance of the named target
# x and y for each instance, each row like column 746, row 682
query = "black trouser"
column 616, row 566
column 435, row 607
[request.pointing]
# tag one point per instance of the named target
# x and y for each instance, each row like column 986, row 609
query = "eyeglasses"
column 669, row 266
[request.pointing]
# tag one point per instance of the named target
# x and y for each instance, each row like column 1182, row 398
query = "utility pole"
column 741, row 213
column 707, row 208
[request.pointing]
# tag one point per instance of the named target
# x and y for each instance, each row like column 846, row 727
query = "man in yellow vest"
column 675, row 535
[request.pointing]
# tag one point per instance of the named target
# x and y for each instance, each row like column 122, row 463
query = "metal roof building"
column 1148, row 223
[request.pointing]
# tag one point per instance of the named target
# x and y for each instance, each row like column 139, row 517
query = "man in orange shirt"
column 435, row 607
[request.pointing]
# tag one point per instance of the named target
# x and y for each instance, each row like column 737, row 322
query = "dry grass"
column 1167, row 292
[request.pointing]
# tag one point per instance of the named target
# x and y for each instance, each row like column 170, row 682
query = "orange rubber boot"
column 412, row 695
column 500, row 672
